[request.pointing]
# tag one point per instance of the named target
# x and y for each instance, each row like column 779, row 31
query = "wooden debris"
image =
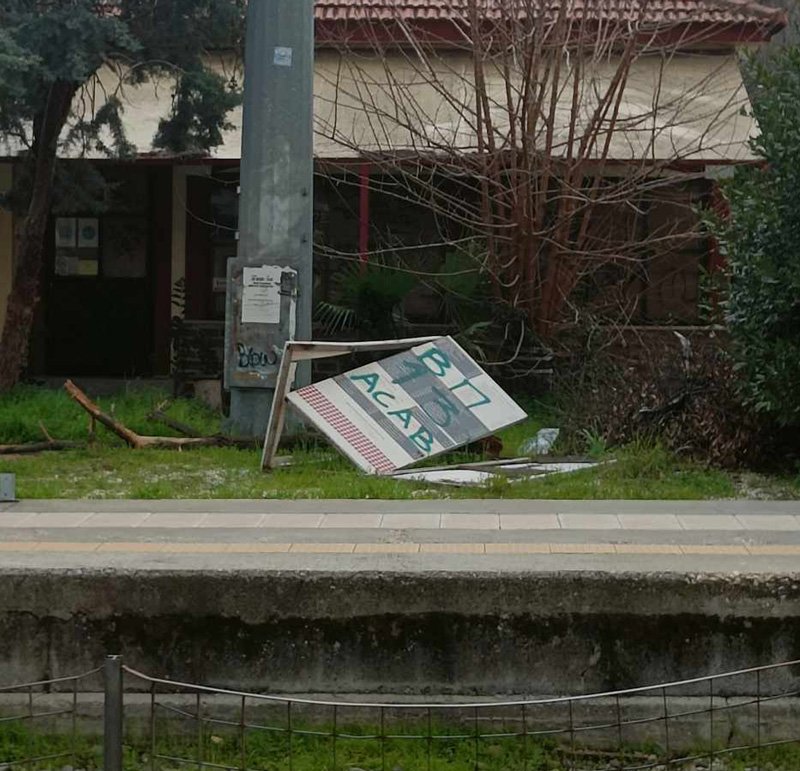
column 490, row 447
column 48, row 445
column 158, row 415
column 34, row 447
column 137, row 441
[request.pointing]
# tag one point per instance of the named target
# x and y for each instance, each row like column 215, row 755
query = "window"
column 77, row 246
column 111, row 247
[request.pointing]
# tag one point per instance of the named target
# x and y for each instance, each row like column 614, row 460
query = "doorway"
column 99, row 311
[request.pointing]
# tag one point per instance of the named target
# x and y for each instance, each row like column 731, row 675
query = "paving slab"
column 461, row 506
column 589, row 521
column 292, row 520
column 649, row 522
column 411, row 521
column 109, row 519
column 709, row 522
column 619, row 535
column 58, row 519
column 174, row 519
column 269, row 558
column 529, row 522
column 231, row 520
column 769, row 521
column 351, row 520
column 470, row 521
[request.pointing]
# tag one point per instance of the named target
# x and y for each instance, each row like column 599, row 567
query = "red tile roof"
column 651, row 11
column 761, row 20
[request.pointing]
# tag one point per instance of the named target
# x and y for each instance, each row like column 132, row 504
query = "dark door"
column 99, row 297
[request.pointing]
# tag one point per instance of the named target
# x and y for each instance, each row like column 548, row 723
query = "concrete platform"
column 467, row 597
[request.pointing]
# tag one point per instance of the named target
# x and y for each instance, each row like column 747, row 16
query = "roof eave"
column 447, row 33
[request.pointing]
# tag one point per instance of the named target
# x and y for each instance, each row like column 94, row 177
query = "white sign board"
column 414, row 405
column 261, row 295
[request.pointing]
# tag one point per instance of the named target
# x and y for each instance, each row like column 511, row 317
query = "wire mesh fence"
column 750, row 716
column 748, row 719
column 45, row 708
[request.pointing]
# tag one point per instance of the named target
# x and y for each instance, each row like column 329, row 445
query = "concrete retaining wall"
column 401, row 633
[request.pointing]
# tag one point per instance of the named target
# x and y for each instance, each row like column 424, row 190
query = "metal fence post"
column 112, row 716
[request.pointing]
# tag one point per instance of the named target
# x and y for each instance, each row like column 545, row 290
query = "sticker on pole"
column 414, row 405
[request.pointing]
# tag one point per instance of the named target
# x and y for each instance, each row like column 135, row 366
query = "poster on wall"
column 66, row 265
column 66, row 233
column 261, row 296
column 88, row 233
column 88, row 268
column 125, row 247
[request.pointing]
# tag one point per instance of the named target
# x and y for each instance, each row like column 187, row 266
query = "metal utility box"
column 8, row 488
column 263, row 317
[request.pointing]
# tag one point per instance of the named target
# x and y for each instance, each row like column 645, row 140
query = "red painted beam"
column 719, row 205
column 363, row 212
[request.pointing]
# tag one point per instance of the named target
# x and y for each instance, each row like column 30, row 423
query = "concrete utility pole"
column 266, row 305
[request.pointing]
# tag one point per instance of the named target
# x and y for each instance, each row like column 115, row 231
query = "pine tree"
column 51, row 52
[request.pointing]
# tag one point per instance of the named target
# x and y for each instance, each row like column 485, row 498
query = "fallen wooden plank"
column 131, row 438
column 30, row 448
column 137, row 441
column 159, row 416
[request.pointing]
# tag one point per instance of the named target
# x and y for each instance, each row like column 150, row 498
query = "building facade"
column 117, row 280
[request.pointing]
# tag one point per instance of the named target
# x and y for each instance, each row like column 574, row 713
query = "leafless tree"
column 541, row 134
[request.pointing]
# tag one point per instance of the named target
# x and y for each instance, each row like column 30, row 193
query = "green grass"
column 355, row 747
column 108, row 469
column 26, row 407
column 116, row 472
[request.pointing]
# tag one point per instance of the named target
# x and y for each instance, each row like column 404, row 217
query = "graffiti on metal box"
column 250, row 358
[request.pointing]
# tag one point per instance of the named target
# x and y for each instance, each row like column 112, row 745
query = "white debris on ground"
column 453, row 476
column 514, row 471
column 541, row 444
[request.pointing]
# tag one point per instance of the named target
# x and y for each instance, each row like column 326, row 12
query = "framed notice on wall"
column 125, row 247
column 261, row 296
column 77, row 242
column 66, row 233
column 88, row 233
column 67, row 265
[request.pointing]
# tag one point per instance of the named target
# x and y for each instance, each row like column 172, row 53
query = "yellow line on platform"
column 140, row 547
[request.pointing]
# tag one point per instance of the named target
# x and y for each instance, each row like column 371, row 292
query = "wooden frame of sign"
column 294, row 352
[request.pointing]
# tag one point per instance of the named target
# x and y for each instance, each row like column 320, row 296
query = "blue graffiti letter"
column 370, row 380
column 423, row 439
column 404, row 416
column 447, row 406
column 484, row 399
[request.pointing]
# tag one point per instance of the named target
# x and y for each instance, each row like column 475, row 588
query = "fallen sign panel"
column 481, row 474
column 411, row 406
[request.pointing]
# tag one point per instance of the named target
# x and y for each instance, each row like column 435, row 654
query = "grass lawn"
column 108, row 469
column 359, row 747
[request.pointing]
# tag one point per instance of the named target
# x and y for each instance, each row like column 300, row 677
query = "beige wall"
column 685, row 106
column 6, row 244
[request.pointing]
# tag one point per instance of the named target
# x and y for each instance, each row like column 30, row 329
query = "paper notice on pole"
column 261, row 295
column 282, row 56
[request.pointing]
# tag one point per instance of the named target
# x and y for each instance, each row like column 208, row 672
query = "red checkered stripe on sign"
column 345, row 427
